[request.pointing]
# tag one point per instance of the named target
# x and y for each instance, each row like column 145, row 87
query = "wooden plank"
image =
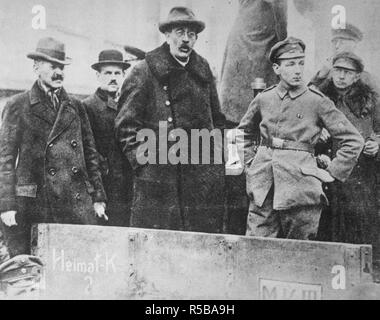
column 90, row 262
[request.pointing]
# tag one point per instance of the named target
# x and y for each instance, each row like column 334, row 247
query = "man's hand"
column 325, row 135
column 100, row 210
column 371, row 148
column 9, row 218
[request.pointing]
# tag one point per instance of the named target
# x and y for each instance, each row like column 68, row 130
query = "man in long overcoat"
column 49, row 170
column 354, row 216
column 173, row 85
column 102, row 110
column 283, row 181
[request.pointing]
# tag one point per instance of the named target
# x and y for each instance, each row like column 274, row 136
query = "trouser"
column 296, row 223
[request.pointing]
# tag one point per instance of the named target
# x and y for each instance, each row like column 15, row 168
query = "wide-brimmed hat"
column 51, row 50
column 110, row 57
column 179, row 16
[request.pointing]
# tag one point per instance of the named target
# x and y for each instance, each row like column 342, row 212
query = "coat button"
column 77, row 196
column 75, row 170
column 74, row 144
column 51, row 145
column 165, row 88
column 170, row 119
column 52, row 171
column 167, row 102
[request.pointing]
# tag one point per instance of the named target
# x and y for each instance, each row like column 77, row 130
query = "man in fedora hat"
column 175, row 86
column 284, row 183
column 49, row 169
column 102, row 110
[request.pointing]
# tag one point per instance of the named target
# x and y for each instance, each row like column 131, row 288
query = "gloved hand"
column 9, row 218
column 100, row 210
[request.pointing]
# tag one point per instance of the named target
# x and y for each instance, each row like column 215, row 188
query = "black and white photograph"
column 208, row 151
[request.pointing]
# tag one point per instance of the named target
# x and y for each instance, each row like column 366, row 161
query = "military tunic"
column 283, row 174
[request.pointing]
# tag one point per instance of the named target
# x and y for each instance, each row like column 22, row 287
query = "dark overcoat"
column 259, row 25
column 49, row 168
column 117, row 174
column 172, row 196
column 355, row 215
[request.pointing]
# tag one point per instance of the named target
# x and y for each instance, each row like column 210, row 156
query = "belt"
column 277, row 143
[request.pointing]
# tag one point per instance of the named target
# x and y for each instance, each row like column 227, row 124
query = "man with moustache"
column 175, row 86
column 102, row 110
column 284, row 183
column 49, row 170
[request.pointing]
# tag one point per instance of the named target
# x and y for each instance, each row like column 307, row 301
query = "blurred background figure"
column 258, row 26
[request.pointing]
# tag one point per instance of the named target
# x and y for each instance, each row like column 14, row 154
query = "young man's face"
column 110, row 78
column 181, row 41
column 51, row 74
column 290, row 71
column 344, row 78
column 341, row 45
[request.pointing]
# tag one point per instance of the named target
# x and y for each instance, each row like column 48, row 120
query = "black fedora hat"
column 51, row 50
column 110, row 57
column 179, row 16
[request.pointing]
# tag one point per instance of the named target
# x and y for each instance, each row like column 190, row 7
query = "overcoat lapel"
column 66, row 115
column 39, row 106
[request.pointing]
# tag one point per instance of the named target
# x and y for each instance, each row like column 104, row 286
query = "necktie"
column 53, row 99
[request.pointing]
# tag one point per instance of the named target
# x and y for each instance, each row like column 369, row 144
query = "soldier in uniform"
column 49, row 169
column 283, row 181
column 102, row 110
column 343, row 40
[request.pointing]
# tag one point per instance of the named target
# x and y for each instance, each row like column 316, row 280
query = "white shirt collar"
column 183, row 64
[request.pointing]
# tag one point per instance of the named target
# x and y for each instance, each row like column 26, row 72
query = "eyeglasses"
column 181, row 33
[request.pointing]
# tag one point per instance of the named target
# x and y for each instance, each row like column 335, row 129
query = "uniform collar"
column 293, row 93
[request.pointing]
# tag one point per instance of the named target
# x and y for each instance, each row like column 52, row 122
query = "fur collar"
column 162, row 64
column 360, row 99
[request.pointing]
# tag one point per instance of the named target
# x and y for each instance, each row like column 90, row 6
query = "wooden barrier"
column 90, row 262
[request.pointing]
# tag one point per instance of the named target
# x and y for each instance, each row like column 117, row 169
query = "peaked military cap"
column 289, row 48
column 350, row 32
column 348, row 61
column 20, row 276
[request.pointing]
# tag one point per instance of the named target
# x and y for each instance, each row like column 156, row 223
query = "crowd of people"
column 313, row 175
